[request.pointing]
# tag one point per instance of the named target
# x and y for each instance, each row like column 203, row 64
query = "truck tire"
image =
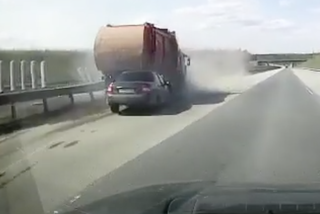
column 114, row 108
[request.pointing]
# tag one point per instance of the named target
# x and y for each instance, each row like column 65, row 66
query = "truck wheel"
column 114, row 108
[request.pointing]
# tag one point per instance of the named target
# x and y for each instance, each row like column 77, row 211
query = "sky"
column 260, row 26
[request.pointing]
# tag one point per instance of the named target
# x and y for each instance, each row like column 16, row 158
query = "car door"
column 163, row 88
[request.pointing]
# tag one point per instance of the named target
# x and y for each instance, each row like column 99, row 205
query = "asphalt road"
column 42, row 170
column 269, row 134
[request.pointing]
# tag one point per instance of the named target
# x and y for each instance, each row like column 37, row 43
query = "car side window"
column 161, row 79
column 157, row 79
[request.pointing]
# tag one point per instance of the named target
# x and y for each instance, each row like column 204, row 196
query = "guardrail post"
column 45, row 105
column 12, row 75
column 88, row 75
column 81, row 74
column 91, row 96
column 23, row 70
column 71, row 99
column 1, row 86
column 43, row 85
column 42, row 74
column 32, row 73
column 13, row 111
column 90, row 79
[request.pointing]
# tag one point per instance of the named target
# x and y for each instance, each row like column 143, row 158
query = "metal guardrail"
column 21, row 96
column 37, row 94
column 23, row 66
column 23, row 80
column 25, row 75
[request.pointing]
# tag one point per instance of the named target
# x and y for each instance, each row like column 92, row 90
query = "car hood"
column 200, row 197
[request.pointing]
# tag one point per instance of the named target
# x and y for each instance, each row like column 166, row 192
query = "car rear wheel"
column 158, row 102
column 114, row 108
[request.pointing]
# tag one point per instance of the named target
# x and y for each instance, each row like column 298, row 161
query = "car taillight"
column 110, row 88
column 145, row 88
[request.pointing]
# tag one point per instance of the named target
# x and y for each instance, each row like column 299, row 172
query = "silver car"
column 138, row 89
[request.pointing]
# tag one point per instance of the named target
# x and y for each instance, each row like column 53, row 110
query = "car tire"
column 114, row 108
column 158, row 102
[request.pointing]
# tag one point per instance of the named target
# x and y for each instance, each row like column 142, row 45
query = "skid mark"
column 71, row 144
column 6, row 182
column 55, row 145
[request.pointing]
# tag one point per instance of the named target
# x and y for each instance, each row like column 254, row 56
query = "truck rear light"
column 110, row 89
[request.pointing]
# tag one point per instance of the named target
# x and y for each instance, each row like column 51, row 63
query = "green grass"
column 61, row 66
column 314, row 62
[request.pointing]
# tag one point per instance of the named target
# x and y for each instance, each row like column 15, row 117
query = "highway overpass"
column 281, row 61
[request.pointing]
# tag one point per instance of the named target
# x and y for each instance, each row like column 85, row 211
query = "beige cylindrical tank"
column 119, row 48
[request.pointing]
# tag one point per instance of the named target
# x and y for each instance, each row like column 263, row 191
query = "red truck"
column 119, row 48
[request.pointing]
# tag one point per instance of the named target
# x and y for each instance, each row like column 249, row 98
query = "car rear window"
column 136, row 76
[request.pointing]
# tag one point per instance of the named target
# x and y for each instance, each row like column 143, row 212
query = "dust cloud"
column 211, row 71
column 85, row 69
column 216, row 71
